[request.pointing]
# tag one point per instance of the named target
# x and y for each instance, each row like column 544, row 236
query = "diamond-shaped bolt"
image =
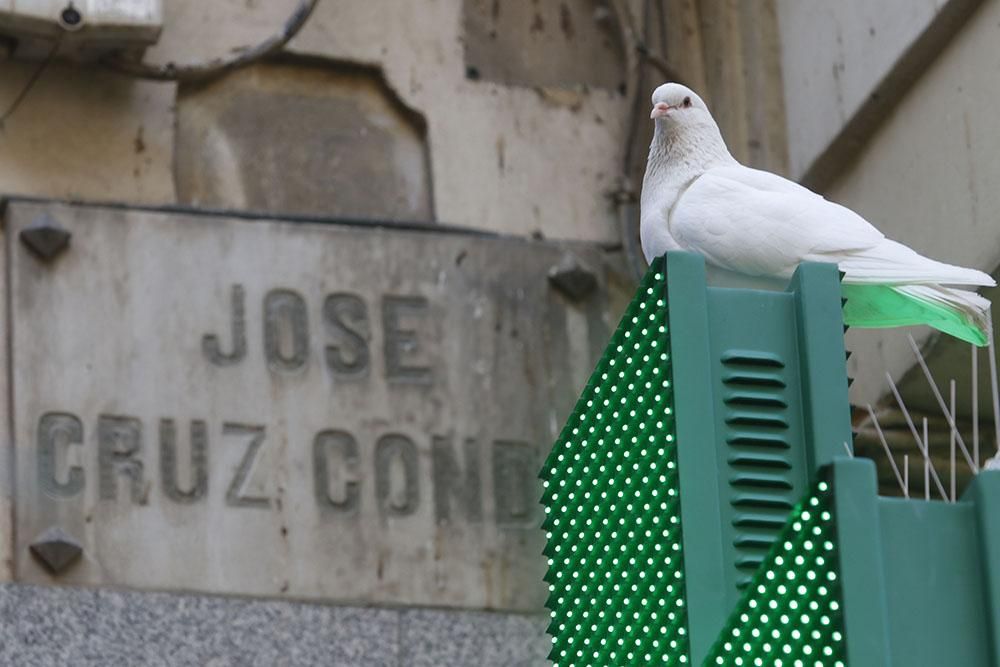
column 573, row 280
column 45, row 237
column 56, row 549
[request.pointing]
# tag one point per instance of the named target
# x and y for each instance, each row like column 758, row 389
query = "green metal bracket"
column 920, row 578
column 985, row 495
column 866, row 621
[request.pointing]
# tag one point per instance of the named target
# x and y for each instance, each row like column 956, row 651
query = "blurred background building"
column 445, row 193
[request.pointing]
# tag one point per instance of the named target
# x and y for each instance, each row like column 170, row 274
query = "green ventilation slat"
column 612, row 505
column 792, row 612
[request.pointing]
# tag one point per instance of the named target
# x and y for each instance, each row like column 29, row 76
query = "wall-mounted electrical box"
column 81, row 29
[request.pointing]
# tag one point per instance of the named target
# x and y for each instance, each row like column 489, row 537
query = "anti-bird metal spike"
column 993, row 383
column 927, row 464
column 975, row 406
column 949, row 417
column 916, row 436
column 951, row 387
column 906, row 475
column 885, row 446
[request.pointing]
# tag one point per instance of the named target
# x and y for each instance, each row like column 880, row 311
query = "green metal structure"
column 612, row 505
column 921, row 579
column 761, row 405
column 793, row 609
column 702, row 508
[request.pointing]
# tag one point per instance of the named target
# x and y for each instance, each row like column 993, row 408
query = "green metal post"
column 820, row 324
column 985, row 493
column 707, row 593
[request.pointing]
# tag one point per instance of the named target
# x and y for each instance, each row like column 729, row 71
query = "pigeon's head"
column 678, row 105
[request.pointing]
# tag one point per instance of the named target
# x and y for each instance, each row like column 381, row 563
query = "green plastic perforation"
column 612, row 505
column 792, row 613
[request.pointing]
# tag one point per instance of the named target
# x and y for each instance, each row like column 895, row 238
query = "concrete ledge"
column 44, row 626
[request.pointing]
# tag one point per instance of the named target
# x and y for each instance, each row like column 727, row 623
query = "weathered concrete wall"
column 846, row 64
column 516, row 159
column 378, row 109
column 730, row 52
column 928, row 178
column 302, row 138
column 507, row 150
column 544, row 44
column 84, row 133
column 887, row 110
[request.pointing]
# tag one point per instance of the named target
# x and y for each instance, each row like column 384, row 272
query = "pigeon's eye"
column 686, row 103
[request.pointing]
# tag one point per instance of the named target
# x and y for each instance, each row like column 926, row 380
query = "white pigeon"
column 696, row 197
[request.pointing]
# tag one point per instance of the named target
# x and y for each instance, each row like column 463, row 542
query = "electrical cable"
column 213, row 68
column 638, row 56
column 30, row 83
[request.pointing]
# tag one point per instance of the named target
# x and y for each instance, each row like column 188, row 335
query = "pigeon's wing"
column 654, row 230
column 759, row 223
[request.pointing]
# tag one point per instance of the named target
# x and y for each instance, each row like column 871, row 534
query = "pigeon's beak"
column 660, row 109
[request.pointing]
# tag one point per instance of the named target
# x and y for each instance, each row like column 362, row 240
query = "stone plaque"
column 269, row 408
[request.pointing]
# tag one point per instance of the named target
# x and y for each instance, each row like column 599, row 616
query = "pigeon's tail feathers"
column 889, row 262
column 960, row 313
column 973, row 308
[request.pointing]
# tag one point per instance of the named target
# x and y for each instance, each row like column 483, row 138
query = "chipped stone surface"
column 502, row 158
column 543, row 43
column 303, row 139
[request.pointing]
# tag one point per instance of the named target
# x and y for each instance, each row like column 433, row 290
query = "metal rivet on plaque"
column 45, row 237
column 56, row 549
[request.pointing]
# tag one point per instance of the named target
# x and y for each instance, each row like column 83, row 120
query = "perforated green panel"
column 612, row 505
column 792, row 613
column 763, row 419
